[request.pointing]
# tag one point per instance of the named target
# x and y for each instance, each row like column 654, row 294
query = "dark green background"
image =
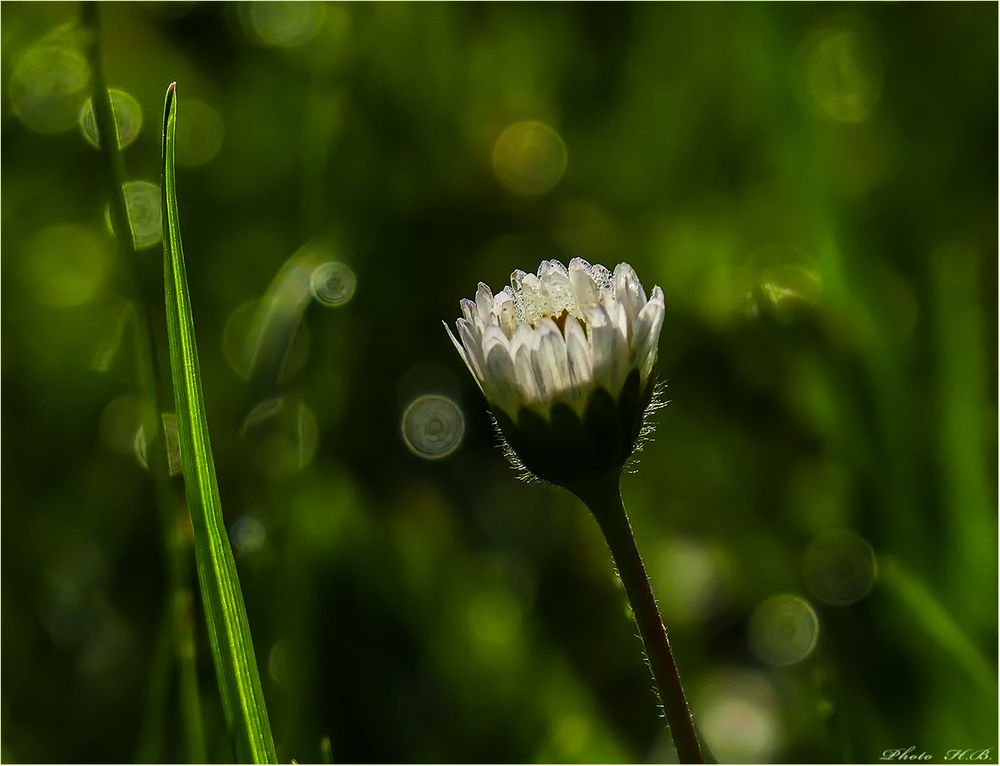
column 442, row 611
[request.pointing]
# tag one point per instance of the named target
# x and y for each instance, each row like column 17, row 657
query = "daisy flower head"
column 565, row 360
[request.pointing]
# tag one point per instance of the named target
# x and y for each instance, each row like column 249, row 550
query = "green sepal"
column 566, row 448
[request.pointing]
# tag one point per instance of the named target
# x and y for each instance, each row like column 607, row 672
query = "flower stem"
column 603, row 497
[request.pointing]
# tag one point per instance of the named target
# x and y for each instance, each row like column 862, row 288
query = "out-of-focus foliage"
column 814, row 188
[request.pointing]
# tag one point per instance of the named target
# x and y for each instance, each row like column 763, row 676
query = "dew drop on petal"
column 128, row 119
column 529, row 158
column 433, row 426
column 333, row 283
column 783, row 630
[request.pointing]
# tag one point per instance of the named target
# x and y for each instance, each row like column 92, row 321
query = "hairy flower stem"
column 603, row 497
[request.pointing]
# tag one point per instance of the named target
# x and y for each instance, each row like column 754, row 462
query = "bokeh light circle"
column 433, row 426
column 66, row 265
column 529, row 158
column 839, row 568
column 845, row 72
column 248, row 534
column 783, row 630
column 739, row 717
column 142, row 199
column 119, row 421
column 199, row 134
column 128, row 119
column 242, row 339
column 333, row 283
column 48, row 86
column 283, row 24
column 288, row 440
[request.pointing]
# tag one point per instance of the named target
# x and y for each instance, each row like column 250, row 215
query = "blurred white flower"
column 565, row 345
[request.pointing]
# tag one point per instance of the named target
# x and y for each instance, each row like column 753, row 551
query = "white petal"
column 584, row 289
column 462, row 353
column 469, row 310
column 601, row 344
column 629, row 292
column 505, row 312
column 602, row 278
column 557, row 285
column 581, row 368
column 473, row 342
column 536, row 300
column 501, row 382
column 548, row 358
column 646, row 339
column 484, row 301
column 523, row 337
column 493, row 336
column 525, row 375
column 619, row 317
column 579, row 363
column 609, row 350
column 516, row 278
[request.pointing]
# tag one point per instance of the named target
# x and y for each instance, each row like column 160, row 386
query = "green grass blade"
column 229, row 630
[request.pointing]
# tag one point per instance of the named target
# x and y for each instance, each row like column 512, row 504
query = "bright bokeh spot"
column 333, row 284
column 283, row 24
column 839, row 568
column 199, row 134
column 128, row 119
column 738, row 717
column 433, row 426
column 494, row 615
column 248, row 534
column 688, row 576
column 49, row 84
column 529, row 158
column 845, row 73
column 119, row 421
column 142, row 199
column 790, row 284
column 783, row 630
column 67, row 265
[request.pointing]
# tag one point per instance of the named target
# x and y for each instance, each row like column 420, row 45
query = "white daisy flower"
column 576, row 344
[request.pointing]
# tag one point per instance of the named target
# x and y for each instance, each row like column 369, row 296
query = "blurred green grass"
column 812, row 185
